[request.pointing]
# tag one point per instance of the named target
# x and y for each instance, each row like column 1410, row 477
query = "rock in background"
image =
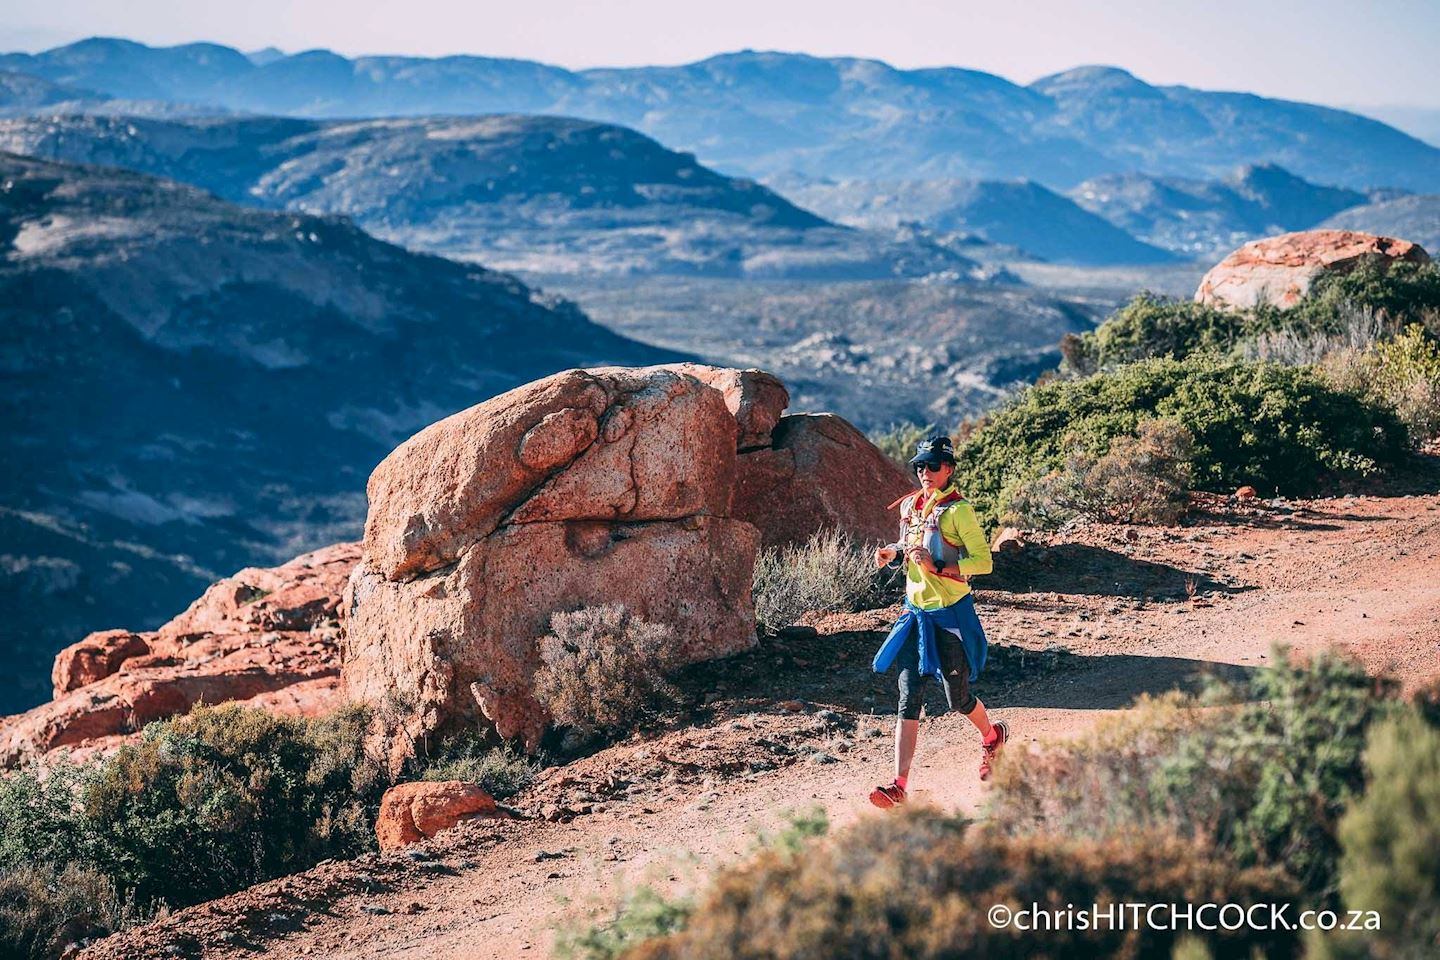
column 654, row 487
column 1279, row 270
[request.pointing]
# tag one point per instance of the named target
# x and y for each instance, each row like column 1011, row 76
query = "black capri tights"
column 955, row 676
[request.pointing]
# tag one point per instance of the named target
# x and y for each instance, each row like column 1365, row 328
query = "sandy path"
column 1357, row 572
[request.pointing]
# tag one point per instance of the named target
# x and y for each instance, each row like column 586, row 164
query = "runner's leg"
column 957, row 683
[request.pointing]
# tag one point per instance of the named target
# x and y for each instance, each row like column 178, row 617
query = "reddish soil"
column 1080, row 625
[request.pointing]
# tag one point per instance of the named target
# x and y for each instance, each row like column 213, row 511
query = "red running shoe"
column 890, row 795
column 989, row 751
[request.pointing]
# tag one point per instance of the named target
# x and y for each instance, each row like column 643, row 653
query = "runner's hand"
column 921, row 558
column 884, row 555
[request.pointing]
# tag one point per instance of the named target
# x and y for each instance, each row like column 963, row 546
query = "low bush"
column 1403, row 293
column 1154, row 326
column 502, row 771
column 643, row 914
column 1402, row 373
column 1284, row 429
column 205, row 804
column 639, row 917
column 1356, row 328
column 226, row 797
column 919, row 884
column 1143, row 478
column 1260, row 770
column 600, row 666
column 45, row 908
column 830, row 572
column 1391, row 840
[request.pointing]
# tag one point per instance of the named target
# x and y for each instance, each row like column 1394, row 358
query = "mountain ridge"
column 768, row 113
column 520, row 192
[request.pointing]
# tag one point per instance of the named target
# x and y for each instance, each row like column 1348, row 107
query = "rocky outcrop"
column 586, row 487
column 1279, row 270
column 411, row 812
column 818, row 472
column 267, row 637
column 652, row 487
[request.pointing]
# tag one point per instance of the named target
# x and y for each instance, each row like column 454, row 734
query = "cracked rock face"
column 586, row 487
column 1279, row 270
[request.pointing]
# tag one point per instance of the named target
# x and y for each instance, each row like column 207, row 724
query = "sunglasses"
column 930, row 467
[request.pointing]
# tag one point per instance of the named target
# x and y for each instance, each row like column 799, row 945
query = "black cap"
column 934, row 451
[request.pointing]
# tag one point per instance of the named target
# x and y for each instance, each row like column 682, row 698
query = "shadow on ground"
column 1079, row 568
column 833, row 670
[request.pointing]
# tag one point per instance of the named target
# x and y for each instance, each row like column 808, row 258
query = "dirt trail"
column 1079, row 626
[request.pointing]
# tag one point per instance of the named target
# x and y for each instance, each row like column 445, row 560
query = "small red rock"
column 411, row 812
column 95, row 658
column 1246, row 492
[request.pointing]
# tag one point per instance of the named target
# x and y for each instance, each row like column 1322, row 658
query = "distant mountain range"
column 21, row 92
column 1209, row 217
column 1022, row 214
column 541, row 194
column 770, row 114
column 192, row 386
column 1414, row 218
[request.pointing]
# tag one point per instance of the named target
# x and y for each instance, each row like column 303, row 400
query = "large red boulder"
column 586, row 487
column 1279, row 270
column 411, row 812
column 268, row 637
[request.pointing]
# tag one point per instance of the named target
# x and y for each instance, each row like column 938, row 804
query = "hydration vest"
column 946, row 553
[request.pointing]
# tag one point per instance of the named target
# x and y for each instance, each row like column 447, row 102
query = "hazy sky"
column 1324, row 51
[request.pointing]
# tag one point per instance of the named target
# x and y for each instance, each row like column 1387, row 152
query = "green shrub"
column 1403, row 292
column 799, row 829
column 830, row 572
column 203, row 805
column 1402, row 373
column 599, row 666
column 1391, row 840
column 919, row 884
column 1143, row 478
column 643, row 914
column 226, row 797
column 1276, row 428
column 45, row 908
column 502, row 771
column 1154, row 326
column 1151, row 326
column 639, row 916
column 41, row 820
column 1260, row 770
